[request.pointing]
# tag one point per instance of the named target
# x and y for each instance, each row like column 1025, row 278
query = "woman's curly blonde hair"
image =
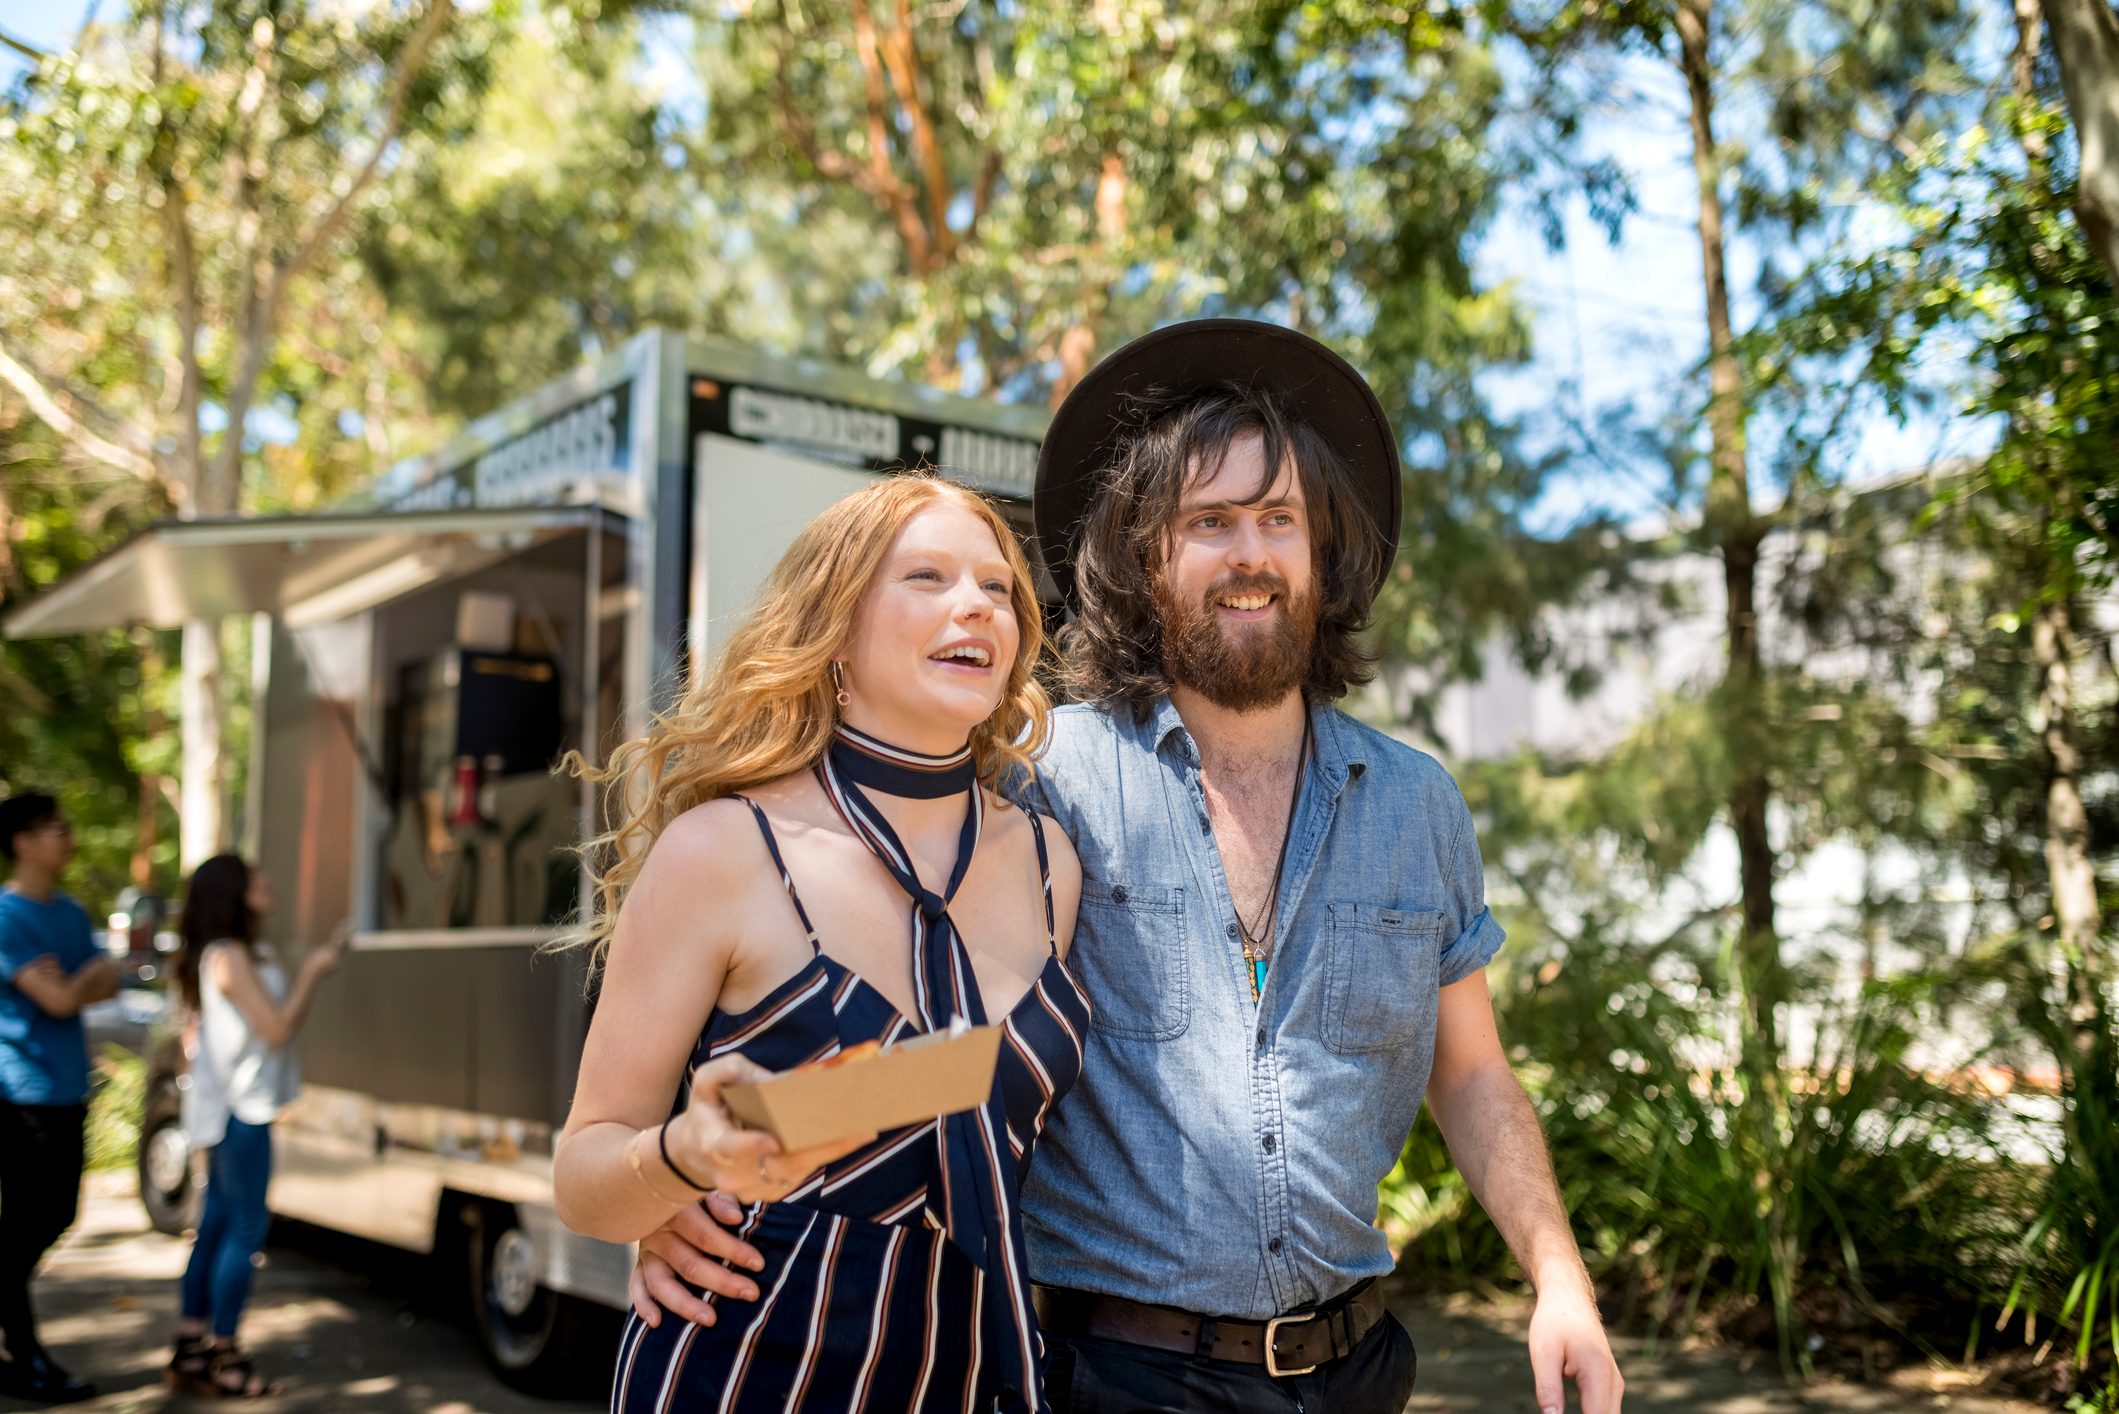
column 767, row 708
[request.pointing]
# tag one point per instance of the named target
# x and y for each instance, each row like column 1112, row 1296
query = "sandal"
column 230, row 1374
column 190, row 1362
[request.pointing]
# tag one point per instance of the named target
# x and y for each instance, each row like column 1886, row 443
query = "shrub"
column 1847, row 1193
column 2065, row 1268
column 115, row 1108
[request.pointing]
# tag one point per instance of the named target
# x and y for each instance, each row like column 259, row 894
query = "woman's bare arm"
column 235, row 973
column 676, row 938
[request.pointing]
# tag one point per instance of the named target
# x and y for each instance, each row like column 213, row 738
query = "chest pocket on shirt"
column 1130, row 955
column 1385, row 968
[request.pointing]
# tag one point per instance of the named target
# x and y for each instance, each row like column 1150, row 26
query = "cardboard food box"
column 936, row 1074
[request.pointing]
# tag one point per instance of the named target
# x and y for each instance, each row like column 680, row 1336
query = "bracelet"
column 662, row 1143
column 632, row 1156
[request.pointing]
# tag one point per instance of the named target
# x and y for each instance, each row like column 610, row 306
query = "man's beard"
column 1242, row 667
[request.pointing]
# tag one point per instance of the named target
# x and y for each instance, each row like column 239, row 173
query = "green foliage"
column 115, row 1109
column 2065, row 1266
column 547, row 215
column 80, row 712
column 1878, row 1197
column 981, row 196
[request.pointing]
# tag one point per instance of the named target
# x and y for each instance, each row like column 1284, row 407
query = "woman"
column 815, row 858
column 242, row 1071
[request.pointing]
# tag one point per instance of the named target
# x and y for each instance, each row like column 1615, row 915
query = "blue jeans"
column 232, row 1229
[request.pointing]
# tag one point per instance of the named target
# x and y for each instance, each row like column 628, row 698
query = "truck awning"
column 304, row 569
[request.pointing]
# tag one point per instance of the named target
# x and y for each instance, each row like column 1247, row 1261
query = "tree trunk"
column 203, row 831
column 147, row 828
column 1077, row 346
column 1734, row 531
column 2085, row 36
column 2077, row 918
column 1077, row 353
column 2071, row 874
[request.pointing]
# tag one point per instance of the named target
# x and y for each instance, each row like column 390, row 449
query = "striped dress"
column 869, row 1299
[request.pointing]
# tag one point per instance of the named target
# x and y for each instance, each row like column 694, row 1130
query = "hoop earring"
column 838, row 682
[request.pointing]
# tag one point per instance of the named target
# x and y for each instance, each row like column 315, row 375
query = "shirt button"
column 1273, row 1246
column 1230, row 930
column 1269, row 1143
column 1118, row 895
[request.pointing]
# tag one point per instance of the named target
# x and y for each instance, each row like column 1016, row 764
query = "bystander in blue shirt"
column 43, row 1058
column 1161, row 1179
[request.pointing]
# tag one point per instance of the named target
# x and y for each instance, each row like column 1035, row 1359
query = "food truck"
column 422, row 657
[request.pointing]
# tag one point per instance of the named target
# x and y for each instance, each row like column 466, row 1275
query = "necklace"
column 1257, row 945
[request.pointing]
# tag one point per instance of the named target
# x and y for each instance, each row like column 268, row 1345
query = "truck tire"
column 536, row 1340
column 169, row 1187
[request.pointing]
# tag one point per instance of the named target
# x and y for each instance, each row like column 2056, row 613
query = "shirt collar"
column 1339, row 752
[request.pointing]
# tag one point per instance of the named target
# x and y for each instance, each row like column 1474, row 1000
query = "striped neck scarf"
column 873, row 762
column 978, row 1198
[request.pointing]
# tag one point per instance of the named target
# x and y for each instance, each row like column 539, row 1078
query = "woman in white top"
column 242, row 1070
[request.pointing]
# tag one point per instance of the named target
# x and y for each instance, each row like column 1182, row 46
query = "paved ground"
column 357, row 1328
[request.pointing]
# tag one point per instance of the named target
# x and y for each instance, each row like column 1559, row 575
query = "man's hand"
column 1567, row 1341
column 44, row 982
column 97, row 981
column 700, row 1249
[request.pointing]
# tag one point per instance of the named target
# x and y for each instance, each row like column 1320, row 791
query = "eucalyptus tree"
column 2085, row 43
column 1827, row 97
column 983, row 196
column 182, row 184
column 542, row 219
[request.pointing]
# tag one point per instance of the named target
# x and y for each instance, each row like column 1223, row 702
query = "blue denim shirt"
column 1217, row 1156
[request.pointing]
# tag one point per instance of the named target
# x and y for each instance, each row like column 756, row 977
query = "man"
column 50, row 969
column 1283, row 925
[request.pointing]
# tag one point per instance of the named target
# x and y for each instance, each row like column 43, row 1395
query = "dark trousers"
column 40, row 1191
column 1088, row 1376
column 231, row 1229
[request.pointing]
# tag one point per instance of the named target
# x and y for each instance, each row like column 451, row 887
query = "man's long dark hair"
column 1113, row 649
column 216, row 909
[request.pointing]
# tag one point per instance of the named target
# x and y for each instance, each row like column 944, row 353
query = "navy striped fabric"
column 894, row 1279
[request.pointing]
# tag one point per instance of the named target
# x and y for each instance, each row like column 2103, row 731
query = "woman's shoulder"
column 721, row 840
column 709, row 838
column 1014, row 823
column 223, row 956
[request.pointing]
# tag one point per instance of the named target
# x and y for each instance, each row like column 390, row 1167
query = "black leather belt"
column 1294, row 1344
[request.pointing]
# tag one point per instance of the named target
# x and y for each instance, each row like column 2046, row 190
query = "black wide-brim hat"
column 1309, row 381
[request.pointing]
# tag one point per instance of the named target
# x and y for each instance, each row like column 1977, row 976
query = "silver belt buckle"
column 1273, row 1325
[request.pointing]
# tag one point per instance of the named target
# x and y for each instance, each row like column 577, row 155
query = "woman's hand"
column 709, row 1147
column 326, row 958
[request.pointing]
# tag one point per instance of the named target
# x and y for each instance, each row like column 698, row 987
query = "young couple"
column 1251, row 928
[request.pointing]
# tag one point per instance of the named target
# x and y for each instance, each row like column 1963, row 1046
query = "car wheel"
column 537, row 1340
column 169, row 1187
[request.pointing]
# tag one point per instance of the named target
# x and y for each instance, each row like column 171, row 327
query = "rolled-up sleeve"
column 1479, row 934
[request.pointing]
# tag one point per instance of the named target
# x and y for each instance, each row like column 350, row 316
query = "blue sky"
column 1614, row 323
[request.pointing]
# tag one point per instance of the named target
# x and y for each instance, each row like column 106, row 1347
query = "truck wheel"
column 168, row 1189
column 537, row 1340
